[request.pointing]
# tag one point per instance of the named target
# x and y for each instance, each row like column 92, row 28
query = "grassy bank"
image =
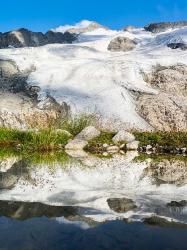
column 43, row 140
column 168, row 139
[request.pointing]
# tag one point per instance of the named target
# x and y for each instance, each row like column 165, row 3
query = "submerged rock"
column 121, row 44
column 76, row 144
column 121, row 205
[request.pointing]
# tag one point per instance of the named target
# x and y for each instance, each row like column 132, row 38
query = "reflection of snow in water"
column 78, row 185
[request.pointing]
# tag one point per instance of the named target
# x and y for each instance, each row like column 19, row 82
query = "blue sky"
column 40, row 15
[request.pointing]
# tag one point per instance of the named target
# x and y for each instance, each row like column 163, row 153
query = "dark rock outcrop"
column 121, row 205
column 121, row 44
column 163, row 26
column 181, row 46
column 26, row 38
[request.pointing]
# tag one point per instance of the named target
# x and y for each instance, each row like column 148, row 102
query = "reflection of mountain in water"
column 168, row 171
column 14, row 171
column 130, row 186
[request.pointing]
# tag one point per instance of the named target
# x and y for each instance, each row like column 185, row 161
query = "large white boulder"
column 88, row 133
column 123, row 136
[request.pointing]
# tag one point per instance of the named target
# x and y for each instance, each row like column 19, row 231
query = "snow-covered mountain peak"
column 80, row 27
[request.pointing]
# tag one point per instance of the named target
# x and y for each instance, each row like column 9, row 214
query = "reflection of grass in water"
column 37, row 158
column 159, row 158
column 7, row 152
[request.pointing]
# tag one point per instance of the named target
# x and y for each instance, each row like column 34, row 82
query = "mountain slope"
column 92, row 79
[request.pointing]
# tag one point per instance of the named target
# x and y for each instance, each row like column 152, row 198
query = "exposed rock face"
column 121, row 205
column 181, row 46
column 168, row 171
column 18, row 101
column 25, row 38
column 171, row 79
column 163, row 26
column 121, row 44
column 166, row 110
column 163, row 112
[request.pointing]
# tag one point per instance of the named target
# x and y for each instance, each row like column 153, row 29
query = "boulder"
column 76, row 144
column 123, row 136
column 121, row 44
column 88, row 133
column 132, row 145
column 121, row 205
column 163, row 26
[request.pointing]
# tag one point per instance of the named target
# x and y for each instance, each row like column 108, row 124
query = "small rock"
column 121, row 205
column 133, row 145
column 76, row 144
column 88, row 133
column 123, row 136
column 123, row 146
column 122, row 152
column 105, row 145
column 148, row 147
column 105, row 154
column 113, row 149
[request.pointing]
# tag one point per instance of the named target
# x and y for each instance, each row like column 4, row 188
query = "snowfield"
column 92, row 79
